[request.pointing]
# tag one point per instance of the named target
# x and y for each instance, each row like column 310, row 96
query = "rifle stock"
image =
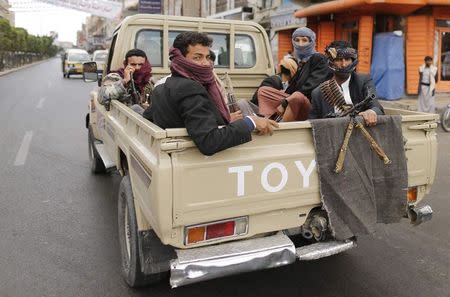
column 232, row 103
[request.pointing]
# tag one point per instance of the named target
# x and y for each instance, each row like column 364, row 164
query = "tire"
column 445, row 120
column 64, row 75
column 129, row 241
column 68, row 75
column 97, row 166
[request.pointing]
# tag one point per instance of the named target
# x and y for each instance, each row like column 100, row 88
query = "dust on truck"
column 197, row 217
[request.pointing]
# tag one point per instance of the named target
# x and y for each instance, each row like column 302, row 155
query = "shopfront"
column 425, row 25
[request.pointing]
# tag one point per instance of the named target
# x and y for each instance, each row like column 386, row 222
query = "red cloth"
column 141, row 77
column 203, row 74
column 270, row 98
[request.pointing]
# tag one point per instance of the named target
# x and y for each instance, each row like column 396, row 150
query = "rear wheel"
column 129, row 240
column 445, row 120
column 96, row 161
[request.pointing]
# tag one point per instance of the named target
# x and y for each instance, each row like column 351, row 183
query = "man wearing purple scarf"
column 191, row 98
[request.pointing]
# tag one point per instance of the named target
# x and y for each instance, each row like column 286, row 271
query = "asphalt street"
column 58, row 222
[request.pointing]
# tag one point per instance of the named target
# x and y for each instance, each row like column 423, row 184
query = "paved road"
column 58, row 222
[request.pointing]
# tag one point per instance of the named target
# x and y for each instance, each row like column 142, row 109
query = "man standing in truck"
column 352, row 87
column 191, row 98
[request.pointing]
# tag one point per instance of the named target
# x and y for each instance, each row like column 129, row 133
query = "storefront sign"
column 150, row 6
column 283, row 18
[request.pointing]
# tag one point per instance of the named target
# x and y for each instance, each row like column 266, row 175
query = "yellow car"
column 100, row 57
column 73, row 60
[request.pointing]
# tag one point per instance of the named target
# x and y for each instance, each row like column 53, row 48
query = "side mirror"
column 90, row 72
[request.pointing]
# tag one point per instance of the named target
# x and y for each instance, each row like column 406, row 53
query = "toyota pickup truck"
column 197, row 217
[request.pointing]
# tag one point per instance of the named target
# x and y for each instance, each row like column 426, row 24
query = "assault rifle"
column 135, row 96
column 232, row 103
column 352, row 113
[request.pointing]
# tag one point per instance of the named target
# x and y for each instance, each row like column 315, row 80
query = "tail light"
column 215, row 230
column 412, row 194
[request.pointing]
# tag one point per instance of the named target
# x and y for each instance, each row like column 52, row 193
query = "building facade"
column 425, row 25
column 282, row 24
column 5, row 12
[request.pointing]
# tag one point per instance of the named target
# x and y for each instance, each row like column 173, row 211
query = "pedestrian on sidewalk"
column 427, row 84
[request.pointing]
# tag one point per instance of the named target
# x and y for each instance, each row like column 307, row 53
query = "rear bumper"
column 195, row 265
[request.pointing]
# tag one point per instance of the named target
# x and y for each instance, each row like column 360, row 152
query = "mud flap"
column 155, row 257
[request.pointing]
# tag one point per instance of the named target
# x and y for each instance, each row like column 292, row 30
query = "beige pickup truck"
column 197, row 217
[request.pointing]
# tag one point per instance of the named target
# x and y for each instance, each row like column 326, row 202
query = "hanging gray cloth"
column 367, row 191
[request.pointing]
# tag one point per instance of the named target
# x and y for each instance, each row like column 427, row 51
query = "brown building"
column 424, row 23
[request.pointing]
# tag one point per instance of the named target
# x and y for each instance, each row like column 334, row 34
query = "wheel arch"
column 123, row 167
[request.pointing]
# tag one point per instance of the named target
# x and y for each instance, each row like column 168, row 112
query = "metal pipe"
column 418, row 215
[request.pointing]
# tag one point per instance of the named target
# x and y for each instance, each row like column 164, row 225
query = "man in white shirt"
column 352, row 87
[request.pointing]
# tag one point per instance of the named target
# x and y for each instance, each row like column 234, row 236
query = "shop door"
column 443, row 84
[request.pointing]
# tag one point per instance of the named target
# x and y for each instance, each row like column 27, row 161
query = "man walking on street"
column 427, row 84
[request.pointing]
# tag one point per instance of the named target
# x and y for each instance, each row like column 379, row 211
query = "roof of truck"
column 136, row 18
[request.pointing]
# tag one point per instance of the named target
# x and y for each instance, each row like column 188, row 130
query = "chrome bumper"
column 323, row 249
column 204, row 263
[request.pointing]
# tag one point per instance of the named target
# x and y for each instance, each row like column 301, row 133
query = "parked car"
column 72, row 61
column 100, row 57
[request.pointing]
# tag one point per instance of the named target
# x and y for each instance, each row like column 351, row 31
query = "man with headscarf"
column 285, row 71
column 351, row 86
column 191, row 98
column 273, row 101
column 131, row 83
column 293, row 103
column 312, row 66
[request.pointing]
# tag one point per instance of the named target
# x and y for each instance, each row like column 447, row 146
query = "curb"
column 6, row 72
column 440, row 105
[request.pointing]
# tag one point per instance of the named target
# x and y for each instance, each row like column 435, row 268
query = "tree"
column 18, row 40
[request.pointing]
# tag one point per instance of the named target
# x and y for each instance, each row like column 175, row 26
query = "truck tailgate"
column 266, row 174
column 278, row 172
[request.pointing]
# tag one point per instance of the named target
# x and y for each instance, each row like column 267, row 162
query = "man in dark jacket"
column 293, row 103
column 191, row 98
column 312, row 66
column 352, row 87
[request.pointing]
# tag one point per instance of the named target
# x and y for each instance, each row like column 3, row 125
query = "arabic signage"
column 150, row 6
column 102, row 8
column 283, row 17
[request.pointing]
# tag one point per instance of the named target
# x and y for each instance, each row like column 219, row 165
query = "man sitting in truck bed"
column 191, row 98
column 353, row 87
column 130, row 84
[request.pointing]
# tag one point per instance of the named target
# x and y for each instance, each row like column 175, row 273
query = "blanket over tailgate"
column 367, row 191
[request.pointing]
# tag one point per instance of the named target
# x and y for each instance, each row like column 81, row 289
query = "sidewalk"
column 410, row 102
column 8, row 71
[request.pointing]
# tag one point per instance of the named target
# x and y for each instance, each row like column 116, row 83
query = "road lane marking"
column 22, row 154
column 40, row 103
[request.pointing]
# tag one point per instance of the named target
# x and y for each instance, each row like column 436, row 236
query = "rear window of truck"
column 151, row 42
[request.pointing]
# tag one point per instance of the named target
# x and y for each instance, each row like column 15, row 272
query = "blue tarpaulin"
column 388, row 66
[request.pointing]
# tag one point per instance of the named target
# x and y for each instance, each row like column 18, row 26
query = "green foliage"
column 18, row 40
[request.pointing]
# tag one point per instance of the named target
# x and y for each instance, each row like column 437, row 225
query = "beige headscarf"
column 289, row 64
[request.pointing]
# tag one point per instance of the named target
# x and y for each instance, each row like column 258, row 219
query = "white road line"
column 40, row 103
column 21, row 156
